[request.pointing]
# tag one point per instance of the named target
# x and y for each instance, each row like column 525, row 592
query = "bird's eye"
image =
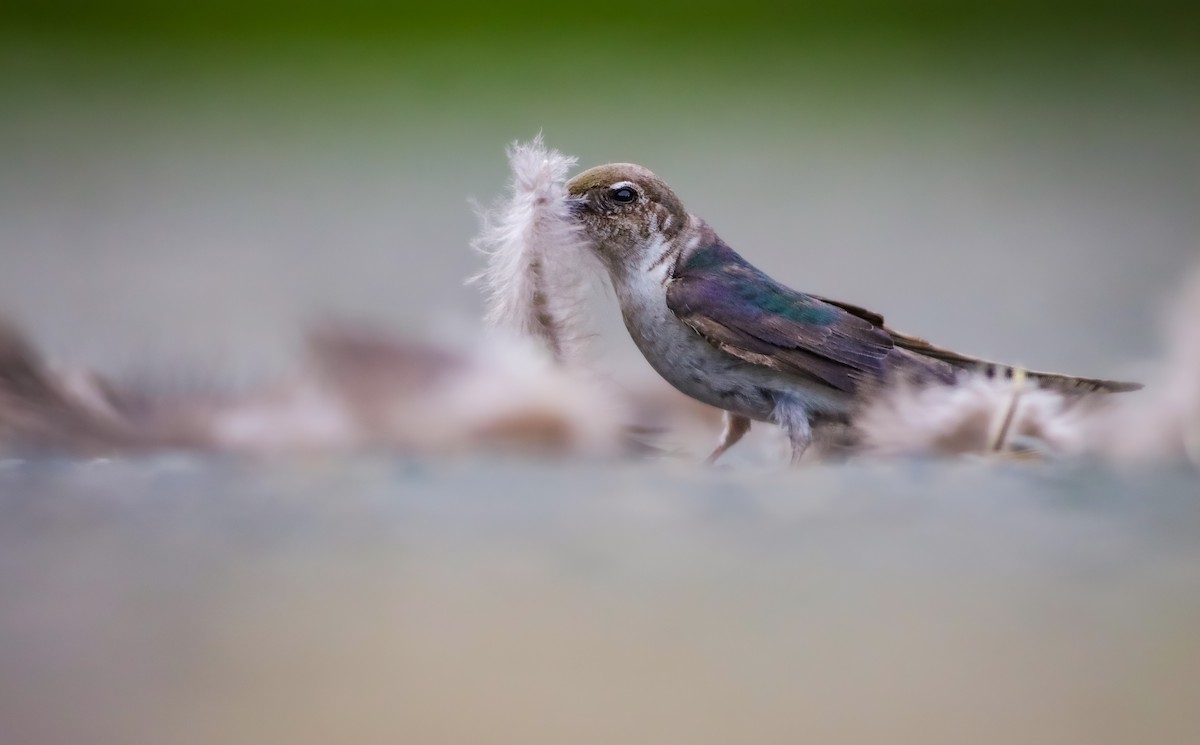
column 624, row 195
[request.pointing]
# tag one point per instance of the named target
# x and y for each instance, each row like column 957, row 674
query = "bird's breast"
column 687, row 361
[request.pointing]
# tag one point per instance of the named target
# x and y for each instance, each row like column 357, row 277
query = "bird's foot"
column 735, row 427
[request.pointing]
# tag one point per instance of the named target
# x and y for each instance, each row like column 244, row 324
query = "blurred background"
column 193, row 182
column 188, row 184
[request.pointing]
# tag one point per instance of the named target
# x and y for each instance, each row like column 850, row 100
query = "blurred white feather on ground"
column 364, row 389
column 1164, row 421
column 537, row 271
column 1161, row 423
column 977, row 414
column 500, row 394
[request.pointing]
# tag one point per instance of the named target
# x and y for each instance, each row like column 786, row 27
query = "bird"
column 725, row 333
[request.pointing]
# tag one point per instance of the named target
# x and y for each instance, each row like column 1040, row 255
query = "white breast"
column 682, row 356
column 690, row 363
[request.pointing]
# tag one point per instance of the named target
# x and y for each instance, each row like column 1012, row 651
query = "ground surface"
column 179, row 601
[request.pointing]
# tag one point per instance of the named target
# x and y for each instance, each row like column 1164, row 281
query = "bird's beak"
column 576, row 205
column 576, row 201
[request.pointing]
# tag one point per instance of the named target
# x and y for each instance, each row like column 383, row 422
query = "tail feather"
column 1052, row 381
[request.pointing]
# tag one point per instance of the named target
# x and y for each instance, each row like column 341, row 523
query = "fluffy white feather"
column 537, row 269
column 978, row 414
column 363, row 389
column 1164, row 420
column 1161, row 423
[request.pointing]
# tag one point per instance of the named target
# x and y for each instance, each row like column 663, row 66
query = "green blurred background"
column 194, row 181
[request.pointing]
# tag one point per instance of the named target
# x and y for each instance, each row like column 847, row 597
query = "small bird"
column 725, row 333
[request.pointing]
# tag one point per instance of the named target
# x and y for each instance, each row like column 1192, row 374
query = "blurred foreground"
column 185, row 601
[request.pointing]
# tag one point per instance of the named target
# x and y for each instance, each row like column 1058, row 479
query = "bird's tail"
column 1053, row 381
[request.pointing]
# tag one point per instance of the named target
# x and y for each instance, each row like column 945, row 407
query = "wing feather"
column 751, row 316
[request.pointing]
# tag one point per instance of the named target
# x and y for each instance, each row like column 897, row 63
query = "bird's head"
column 626, row 211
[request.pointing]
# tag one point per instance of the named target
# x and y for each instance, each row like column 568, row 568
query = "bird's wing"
column 870, row 316
column 750, row 316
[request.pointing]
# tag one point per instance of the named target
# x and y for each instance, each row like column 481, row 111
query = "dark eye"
column 624, row 195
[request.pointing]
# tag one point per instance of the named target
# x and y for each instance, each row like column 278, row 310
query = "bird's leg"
column 735, row 426
column 800, row 442
column 793, row 417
